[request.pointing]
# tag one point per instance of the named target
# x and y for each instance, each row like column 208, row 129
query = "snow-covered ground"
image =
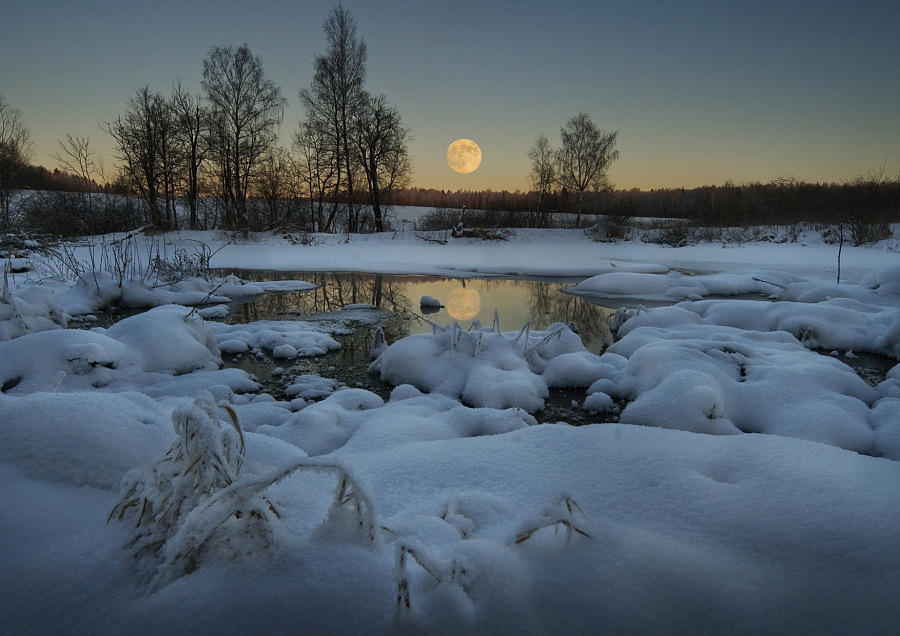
column 748, row 481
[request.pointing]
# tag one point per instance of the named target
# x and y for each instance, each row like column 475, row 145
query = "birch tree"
column 333, row 102
column 584, row 157
column 247, row 108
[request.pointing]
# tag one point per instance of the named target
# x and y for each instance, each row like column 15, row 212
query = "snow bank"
column 675, row 285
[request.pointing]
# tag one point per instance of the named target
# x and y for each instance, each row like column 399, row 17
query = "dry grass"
column 560, row 516
column 194, row 505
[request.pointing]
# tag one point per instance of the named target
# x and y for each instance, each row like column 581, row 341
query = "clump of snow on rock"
column 284, row 339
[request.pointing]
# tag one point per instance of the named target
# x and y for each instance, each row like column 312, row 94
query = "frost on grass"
column 190, row 505
column 194, row 505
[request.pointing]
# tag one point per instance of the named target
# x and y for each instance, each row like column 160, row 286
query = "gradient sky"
column 699, row 92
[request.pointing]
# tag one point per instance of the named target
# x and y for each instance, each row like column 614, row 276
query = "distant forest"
column 781, row 202
column 872, row 198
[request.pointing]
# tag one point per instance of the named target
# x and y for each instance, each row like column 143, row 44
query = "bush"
column 611, row 228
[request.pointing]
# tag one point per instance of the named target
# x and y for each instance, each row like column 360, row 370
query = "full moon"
column 463, row 303
column 464, row 156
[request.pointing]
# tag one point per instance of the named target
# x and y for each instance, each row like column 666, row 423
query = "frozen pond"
column 515, row 301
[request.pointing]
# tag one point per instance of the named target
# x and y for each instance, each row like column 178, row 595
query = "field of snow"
column 748, row 481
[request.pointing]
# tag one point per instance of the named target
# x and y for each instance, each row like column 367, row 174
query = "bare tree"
column 15, row 153
column 274, row 185
column 145, row 146
column 316, row 170
column 334, row 100
column 543, row 172
column 584, row 157
column 381, row 142
column 79, row 158
column 247, row 108
column 192, row 124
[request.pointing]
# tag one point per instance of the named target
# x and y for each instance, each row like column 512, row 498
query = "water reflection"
column 463, row 303
column 515, row 302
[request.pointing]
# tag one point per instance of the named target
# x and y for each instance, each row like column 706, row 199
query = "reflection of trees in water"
column 548, row 305
column 334, row 291
column 545, row 303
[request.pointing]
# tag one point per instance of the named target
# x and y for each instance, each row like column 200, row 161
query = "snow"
column 746, row 481
column 286, row 339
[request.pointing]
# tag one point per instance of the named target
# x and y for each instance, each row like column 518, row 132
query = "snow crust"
column 747, row 482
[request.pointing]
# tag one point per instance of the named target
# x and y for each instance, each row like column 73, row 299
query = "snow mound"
column 64, row 359
column 719, row 379
column 140, row 350
column 357, row 421
column 169, row 339
column 483, row 368
column 885, row 281
column 82, row 438
column 28, row 310
column 312, row 387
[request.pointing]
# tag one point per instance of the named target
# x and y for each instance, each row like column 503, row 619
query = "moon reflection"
column 463, row 303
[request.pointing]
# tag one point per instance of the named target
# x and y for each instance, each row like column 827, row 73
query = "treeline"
column 39, row 178
column 871, row 198
column 865, row 202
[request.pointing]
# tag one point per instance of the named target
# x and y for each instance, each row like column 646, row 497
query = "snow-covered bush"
column 611, row 228
column 189, row 506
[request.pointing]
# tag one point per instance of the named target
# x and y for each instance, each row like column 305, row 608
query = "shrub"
column 610, row 228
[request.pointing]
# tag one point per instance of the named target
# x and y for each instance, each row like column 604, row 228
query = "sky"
column 699, row 92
